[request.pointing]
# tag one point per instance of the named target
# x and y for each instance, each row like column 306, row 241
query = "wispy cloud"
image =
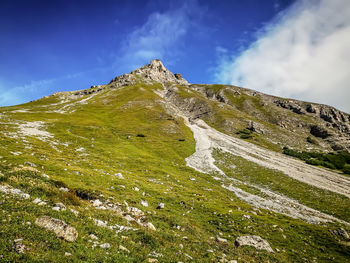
column 161, row 36
column 304, row 53
column 34, row 89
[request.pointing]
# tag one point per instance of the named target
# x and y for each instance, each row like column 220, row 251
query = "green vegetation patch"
column 334, row 161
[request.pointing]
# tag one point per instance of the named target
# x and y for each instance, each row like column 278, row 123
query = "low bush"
column 245, row 134
column 340, row 161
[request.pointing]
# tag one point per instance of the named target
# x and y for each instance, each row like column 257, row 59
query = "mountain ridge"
column 144, row 169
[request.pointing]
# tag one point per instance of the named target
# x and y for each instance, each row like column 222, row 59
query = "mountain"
column 151, row 168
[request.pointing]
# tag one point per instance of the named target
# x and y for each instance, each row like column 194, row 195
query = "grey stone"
column 59, row 227
column 254, row 241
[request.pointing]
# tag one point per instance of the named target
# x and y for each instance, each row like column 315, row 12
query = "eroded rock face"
column 254, row 241
column 59, row 227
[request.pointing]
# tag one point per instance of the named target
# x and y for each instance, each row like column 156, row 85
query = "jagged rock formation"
column 152, row 72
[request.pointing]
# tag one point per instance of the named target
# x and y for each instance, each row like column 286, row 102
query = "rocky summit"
column 151, row 168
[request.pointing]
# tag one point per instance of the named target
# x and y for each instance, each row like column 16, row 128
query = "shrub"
column 330, row 160
column 346, row 169
column 245, row 134
column 140, row 135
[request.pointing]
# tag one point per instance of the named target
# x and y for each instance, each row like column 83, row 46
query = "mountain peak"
column 155, row 71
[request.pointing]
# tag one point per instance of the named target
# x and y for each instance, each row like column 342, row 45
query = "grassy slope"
column 155, row 164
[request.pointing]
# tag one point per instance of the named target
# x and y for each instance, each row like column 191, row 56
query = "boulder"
column 59, row 227
column 319, row 131
column 254, row 241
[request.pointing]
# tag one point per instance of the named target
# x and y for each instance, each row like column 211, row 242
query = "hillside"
column 151, row 168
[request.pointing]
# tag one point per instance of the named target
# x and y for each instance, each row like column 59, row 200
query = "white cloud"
column 160, row 36
column 304, row 53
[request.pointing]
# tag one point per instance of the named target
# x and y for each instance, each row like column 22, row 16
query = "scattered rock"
column 161, row 206
column 67, row 254
column 93, row 237
column 59, row 227
column 13, row 191
column 105, row 245
column 96, row 203
column 150, row 226
column 38, row 201
column 144, row 203
column 221, row 240
column 123, row 248
column 64, row 189
column 30, row 164
column 136, row 189
column 59, row 207
column 119, row 176
column 152, row 260
column 246, row 216
column 19, row 247
column 255, row 241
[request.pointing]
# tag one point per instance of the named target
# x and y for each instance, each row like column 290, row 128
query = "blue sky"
column 50, row 46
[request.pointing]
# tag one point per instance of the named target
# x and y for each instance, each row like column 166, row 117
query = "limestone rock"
column 255, row 241
column 255, row 127
column 152, row 72
column 105, row 245
column 59, row 227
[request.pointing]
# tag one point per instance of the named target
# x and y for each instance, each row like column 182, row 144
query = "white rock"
column 100, row 223
column 105, row 245
column 220, row 239
column 119, row 176
column 150, row 226
column 67, row 254
column 61, row 206
column 123, row 248
column 136, row 189
column 9, row 190
column 144, row 203
column 92, row 236
column 96, row 203
column 64, row 189
column 36, row 200
column 161, row 206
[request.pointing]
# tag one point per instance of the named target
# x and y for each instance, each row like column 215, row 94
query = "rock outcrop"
column 254, row 241
column 152, row 72
column 59, row 227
